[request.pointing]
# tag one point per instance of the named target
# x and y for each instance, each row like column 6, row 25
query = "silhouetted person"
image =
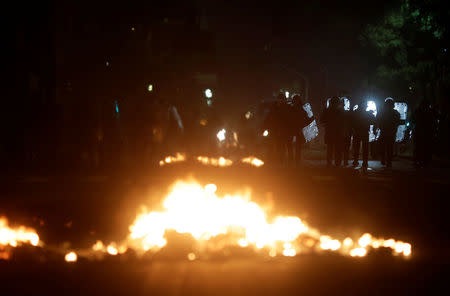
column 277, row 122
column 334, row 131
column 247, row 134
column 361, row 121
column 388, row 121
column 423, row 133
column 347, row 132
column 299, row 119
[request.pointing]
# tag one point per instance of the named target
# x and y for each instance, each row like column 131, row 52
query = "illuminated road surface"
column 410, row 207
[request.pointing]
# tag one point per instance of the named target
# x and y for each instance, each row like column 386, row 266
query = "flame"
column 205, row 160
column 197, row 210
column 221, row 161
column 71, row 257
column 253, row 161
column 16, row 236
column 179, row 157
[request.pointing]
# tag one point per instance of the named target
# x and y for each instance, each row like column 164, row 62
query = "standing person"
column 277, row 122
column 424, row 121
column 299, row 120
column 347, row 132
column 388, row 121
column 334, row 132
column 361, row 121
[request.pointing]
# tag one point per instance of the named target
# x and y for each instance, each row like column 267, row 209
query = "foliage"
column 410, row 41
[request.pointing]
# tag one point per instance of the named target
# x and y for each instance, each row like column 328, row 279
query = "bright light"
column 71, row 257
column 190, row 208
column 112, row 250
column 16, row 236
column 150, row 87
column 265, row 133
column 346, row 103
column 191, row 256
column 248, row 114
column 371, row 106
column 253, row 161
column 358, row 252
column 286, row 94
column 208, row 93
column 221, row 135
column 355, row 107
column 365, row 240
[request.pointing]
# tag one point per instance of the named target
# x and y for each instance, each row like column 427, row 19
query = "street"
column 76, row 210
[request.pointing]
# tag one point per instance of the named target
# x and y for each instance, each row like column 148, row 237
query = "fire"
column 214, row 222
column 253, row 161
column 205, row 160
column 197, row 210
column 71, row 257
column 16, row 236
column 221, row 161
column 179, row 157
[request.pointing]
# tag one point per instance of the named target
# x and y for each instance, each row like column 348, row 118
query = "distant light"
column 371, row 106
column 286, row 94
column 112, row 250
column 208, row 93
column 265, row 133
column 445, row 49
column 248, row 114
column 133, row 29
column 107, row 64
column 203, row 122
column 208, row 102
column 355, row 107
column 71, row 257
column 221, row 135
column 116, row 106
column 150, row 87
column 191, row 256
column 407, row 124
column 346, row 103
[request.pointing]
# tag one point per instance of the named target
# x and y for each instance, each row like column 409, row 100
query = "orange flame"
column 16, row 236
column 253, row 161
column 221, row 161
column 190, row 208
column 179, row 157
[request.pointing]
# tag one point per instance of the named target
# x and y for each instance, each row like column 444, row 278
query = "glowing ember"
column 253, row 161
column 221, row 161
column 358, row 252
column 16, row 236
column 71, row 257
column 179, row 157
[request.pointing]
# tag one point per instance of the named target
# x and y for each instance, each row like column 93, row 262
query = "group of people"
column 285, row 122
column 352, row 128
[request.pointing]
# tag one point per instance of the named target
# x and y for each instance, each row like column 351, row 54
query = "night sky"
column 319, row 39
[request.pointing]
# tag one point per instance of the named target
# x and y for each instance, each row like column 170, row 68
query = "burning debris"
column 192, row 209
column 220, row 162
column 211, row 161
column 13, row 237
column 253, row 161
column 214, row 223
column 179, row 157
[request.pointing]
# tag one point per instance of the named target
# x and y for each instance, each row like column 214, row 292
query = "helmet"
column 389, row 102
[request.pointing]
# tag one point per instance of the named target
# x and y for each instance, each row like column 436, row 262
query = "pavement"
column 404, row 203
